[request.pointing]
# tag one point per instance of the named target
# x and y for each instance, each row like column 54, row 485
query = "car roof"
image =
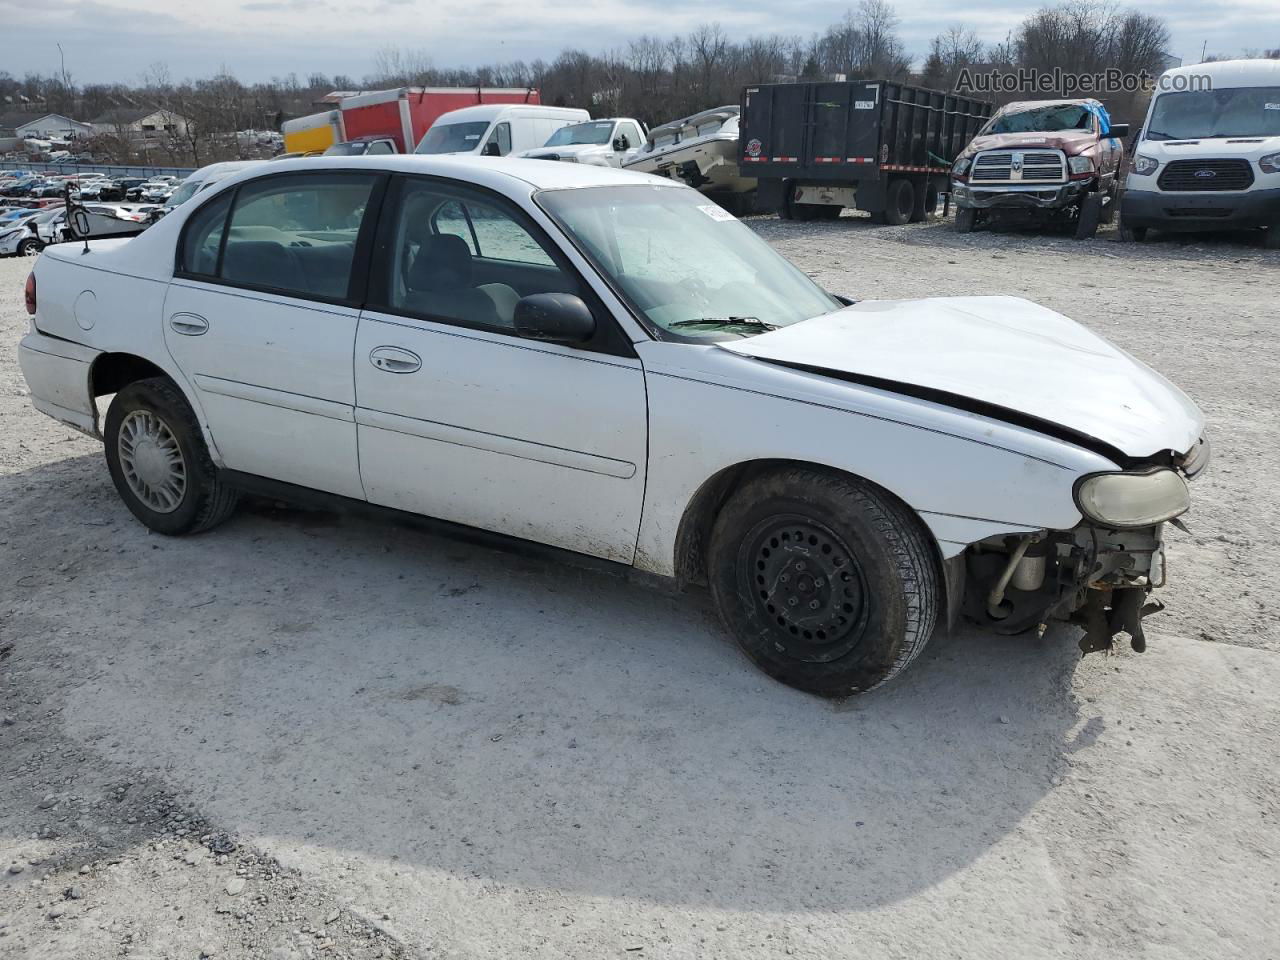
column 488, row 111
column 1230, row 73
column 508, row 174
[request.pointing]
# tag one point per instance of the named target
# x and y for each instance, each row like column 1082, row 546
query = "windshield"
column 1049, row 119
column 184, row 193
column 354, row 149
column 453, row 138
column 688, row 265
column 580, row 133
column 1229, row 112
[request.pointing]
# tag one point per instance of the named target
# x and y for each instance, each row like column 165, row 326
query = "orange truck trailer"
column 403, row 115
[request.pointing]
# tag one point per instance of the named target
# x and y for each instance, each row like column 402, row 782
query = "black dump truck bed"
column 859, row 132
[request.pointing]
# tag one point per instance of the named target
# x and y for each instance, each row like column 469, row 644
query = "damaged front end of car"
column 1098, row 575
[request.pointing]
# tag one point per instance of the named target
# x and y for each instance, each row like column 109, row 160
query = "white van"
column 1208, row 156
column 497, row 129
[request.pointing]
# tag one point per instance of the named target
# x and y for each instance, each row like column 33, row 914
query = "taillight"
column 31, row 293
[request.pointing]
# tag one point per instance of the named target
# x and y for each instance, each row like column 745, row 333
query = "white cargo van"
column 497, row 129
column 1208, row 156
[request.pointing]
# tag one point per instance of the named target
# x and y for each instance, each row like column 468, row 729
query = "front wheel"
column 966, row 219
column 30, row 248
column 1271, row 238
column 827, row 583
column 159, row 462
column 1088, row 217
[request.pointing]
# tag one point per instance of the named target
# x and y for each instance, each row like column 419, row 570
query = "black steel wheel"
column 809, row 583
column 827, row 582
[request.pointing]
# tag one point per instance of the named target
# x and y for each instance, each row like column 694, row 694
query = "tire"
column 830, row 212
column 926, row 202
column 201, row 500
column 792, row 533
column 900, row 202
column 30, row 248
column 1088, row 217
column 1271, row 237
column 1132, row 234
column 966, row 219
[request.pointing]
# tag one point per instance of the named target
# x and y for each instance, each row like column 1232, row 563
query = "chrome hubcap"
column 31, row 250
column 152, row 461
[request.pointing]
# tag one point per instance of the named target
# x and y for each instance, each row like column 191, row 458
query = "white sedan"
column 607, row 363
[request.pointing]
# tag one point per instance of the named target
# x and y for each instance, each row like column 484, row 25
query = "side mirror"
column 621, row 143
column 555, row 318
column 491, row 149
column 1120, row 131
column 80, row 222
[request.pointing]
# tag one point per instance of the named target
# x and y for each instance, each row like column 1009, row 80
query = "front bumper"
column 1038, row 196
column 1200, row 211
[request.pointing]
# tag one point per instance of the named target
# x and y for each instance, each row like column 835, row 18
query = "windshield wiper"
column 1161, row 135
column 726, row 322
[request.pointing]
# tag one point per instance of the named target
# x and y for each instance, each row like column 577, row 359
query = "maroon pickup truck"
column 1041, row 162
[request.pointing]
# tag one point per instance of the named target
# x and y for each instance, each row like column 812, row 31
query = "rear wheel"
column 159, row 462
column 828, row 584
column 900, row 202
column 926, row 202
column 1271, row 238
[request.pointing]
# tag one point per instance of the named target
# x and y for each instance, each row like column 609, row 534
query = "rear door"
column 261, row 318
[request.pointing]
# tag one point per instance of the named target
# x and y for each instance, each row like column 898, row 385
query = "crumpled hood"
column 994, row 355
column 1069, row 142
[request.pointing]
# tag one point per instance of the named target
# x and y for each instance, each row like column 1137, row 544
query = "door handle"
column 395, row 360
column 188, row 324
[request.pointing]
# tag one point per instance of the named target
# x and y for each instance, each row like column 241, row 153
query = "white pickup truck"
column 603, row 143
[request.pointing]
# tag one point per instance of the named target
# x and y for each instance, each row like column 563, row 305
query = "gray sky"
column 115, row 40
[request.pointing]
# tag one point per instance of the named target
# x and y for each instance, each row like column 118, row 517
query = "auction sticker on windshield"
column 716, row 212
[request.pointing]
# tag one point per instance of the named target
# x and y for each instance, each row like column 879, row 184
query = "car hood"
column 568, row 150
column 1069, row 142
column 1000, row 357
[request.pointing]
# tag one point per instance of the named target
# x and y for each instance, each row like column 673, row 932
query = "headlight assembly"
column 1133, row 499
column 1144, row 166
column 1080, row 164
column 1270, row 163
column 960, row 166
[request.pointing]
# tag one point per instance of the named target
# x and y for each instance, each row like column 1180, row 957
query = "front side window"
column 691, row 268
column 292, row 234
column 455, row 255
column 1223, row 112
column 499, row 143
column 453, row 138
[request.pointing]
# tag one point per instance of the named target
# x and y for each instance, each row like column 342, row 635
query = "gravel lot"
column 305, row 735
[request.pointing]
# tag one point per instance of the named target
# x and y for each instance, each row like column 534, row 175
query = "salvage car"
column 1040, row 162
column 608, row 363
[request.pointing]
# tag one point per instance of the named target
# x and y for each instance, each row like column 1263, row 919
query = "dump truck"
column 881, row 146
column 402, row 114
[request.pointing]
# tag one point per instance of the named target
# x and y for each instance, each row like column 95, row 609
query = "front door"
column 461, row 419
column 261, row 318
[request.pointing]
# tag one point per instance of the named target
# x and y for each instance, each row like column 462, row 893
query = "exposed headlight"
column 1270, row 163
column 10, row 234
column 1144, row 166
column 960, row 166
column 1133, row 499
column 1080, row 164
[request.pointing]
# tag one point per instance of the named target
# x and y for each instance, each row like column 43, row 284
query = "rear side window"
column 287, row 234
column 203, row 238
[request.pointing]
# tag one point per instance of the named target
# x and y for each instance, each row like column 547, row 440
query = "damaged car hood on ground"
column 1001, row 357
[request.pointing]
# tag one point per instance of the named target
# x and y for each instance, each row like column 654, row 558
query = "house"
column 139, row 123
column 53, row 126
column 11, row 120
